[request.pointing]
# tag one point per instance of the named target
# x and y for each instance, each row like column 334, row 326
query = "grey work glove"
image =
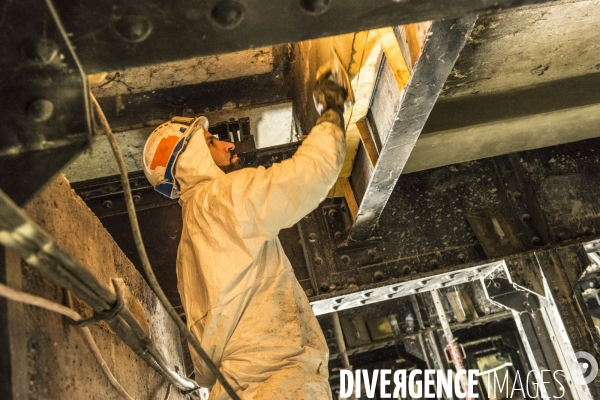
column 328, row 95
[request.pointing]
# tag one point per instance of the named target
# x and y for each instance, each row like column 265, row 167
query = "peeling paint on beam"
column 193, row 71
column 441, row 49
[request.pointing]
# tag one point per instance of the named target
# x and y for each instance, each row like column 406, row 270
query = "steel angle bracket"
column 500, row 288
column 45, row 119
column 375, row 294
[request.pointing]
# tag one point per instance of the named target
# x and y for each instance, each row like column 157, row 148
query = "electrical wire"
column 22, row 235
column 144, row 256
column 26, row 298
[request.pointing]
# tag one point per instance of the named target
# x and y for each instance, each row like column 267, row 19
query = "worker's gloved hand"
column 328, row 95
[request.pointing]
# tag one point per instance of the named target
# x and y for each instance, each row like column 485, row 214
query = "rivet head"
column 378, row 276
column 315, row 7
column 136, row 198
column 406, row 269
column 40, row 110
column 228, row 14
column 107, row 204
column 345, row 259
column 517, row 195
column 536, row 241
column 318, row 261
column 133, row 28
column 312, row 237
column 525, row 217
column 332, row 213
column 372, row 253
column 461, row 258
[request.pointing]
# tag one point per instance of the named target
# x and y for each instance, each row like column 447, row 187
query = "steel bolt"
column 228, row 14
column 133, row 28
column 107, row 204
column 40, row 110
column 315, row 7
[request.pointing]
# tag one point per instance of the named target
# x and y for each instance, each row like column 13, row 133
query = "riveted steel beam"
column 112, row 35
column 45, row 115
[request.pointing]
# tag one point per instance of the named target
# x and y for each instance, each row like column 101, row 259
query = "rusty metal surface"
column 111, row 35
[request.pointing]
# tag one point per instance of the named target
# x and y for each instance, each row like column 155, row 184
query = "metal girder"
column 45, row 116
column 111, row 35
column 441, row 49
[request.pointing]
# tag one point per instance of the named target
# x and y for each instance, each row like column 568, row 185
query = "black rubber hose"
column 38, row 250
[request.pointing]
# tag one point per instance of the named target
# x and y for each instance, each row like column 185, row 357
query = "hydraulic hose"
column 21, row 234
column 41, row 302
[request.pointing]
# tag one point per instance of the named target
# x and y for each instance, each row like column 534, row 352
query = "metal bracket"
column 504, row 292
column 45, row 115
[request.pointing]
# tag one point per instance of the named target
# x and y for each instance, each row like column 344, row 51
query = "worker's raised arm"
column 263, row 201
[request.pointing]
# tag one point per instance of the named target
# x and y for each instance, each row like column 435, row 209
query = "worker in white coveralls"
column 241, row 298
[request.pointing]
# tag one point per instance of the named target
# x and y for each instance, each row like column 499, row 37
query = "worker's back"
column 238, row 288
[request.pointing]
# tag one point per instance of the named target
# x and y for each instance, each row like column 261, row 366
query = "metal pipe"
column 339, row 338
column 453, row 348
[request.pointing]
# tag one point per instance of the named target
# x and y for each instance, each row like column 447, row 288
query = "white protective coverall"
column 241, row 297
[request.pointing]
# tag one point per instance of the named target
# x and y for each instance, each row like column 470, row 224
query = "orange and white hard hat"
column 163, row 147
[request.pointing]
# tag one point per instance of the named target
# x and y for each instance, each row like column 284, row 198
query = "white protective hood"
column 238, row 289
